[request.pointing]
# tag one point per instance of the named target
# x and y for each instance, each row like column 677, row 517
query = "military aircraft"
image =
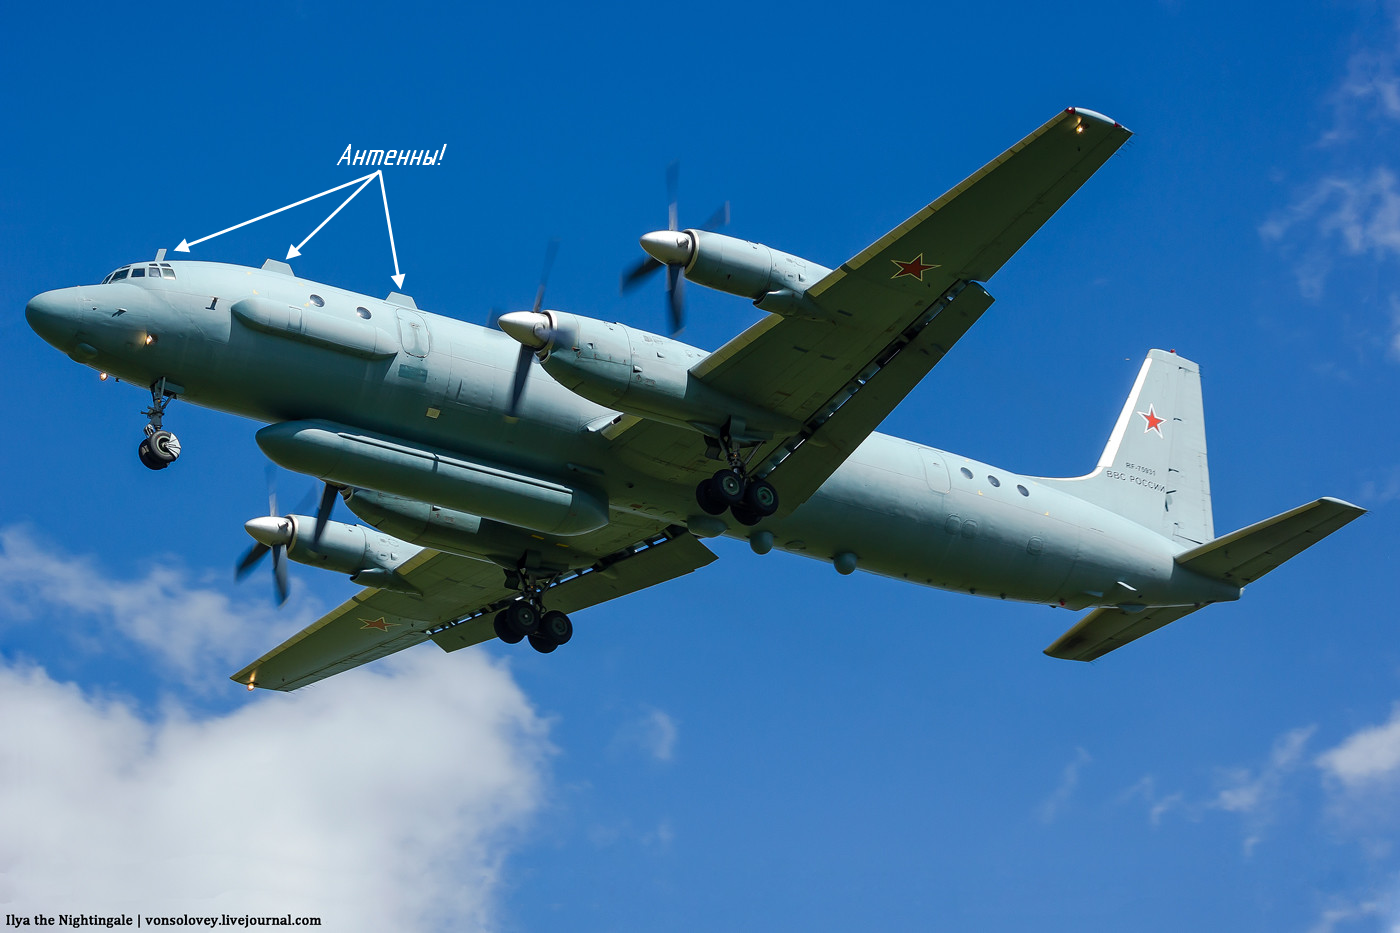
column 510, row 477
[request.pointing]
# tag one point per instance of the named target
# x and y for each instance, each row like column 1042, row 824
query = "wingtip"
column 1084, row 113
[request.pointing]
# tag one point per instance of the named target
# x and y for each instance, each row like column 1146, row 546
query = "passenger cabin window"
column 318, row 301
column 1023, row 490
column 363, row 312
column 994, row 481
column 967, row 473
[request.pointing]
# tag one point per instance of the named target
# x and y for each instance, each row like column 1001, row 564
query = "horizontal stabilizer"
column 1244, row 556
column 1103, row 630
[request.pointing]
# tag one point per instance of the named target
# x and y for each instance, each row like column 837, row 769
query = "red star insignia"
column 1153, row 422
column 378, row 624
column 915, row 267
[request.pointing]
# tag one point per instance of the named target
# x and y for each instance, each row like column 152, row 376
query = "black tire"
column 761, row 497
column 745, row 515
column 522, row 619
column 164, row 446
column 542, row 644
column 729, row 486
column 149, row 460
column 708, row 498
column 557, row 627
column 503, row 629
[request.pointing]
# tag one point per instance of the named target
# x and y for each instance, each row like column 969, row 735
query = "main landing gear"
column 159, row 448
column 527, row 617
column 749, row 500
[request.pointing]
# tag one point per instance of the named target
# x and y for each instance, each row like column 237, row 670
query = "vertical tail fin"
column 1154, row 470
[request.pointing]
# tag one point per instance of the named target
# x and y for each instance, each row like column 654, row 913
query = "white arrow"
column 185, row 245
column 397, row 276
column 295, row 251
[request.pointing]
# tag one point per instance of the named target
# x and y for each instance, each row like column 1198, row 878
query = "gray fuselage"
column 895, row 508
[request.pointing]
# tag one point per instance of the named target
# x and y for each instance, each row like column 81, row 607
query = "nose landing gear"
column 159, row 448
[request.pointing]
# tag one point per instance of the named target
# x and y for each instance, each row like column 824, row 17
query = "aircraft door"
column 413, row 333
column 936, row 470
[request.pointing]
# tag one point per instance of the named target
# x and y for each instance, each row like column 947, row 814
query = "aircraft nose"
column 55, row 316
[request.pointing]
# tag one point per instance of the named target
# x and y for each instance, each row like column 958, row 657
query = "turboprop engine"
column 371, row 558
column 775, row 281
column 638, row 373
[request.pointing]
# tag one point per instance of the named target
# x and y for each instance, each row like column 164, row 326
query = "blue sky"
column 765, row 743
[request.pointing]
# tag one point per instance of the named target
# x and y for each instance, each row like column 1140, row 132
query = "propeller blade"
column 673, row 180
column 719, row 218
column 323, row 513
column 639, row 273
column 550, row 252
column 250, row 560
column 522, row 372
column 493, row 316
column 675, row 299
column 279, row 573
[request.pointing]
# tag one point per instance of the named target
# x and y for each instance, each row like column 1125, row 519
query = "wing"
column 906, row 299
column 460, row 596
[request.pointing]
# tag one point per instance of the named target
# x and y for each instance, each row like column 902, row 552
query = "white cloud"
column 1347, row 913
column 385, row 798
column 1157, row 805
column 1069, row 780
column 654, row 732
column 198, row 633
column 1359, row 212
column 1253, row 794
column 1367, row 757
column 1370, row 92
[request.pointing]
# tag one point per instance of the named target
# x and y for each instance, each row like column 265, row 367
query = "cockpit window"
column 155, row 270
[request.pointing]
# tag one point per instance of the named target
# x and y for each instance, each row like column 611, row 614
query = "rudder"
column 1153, row 469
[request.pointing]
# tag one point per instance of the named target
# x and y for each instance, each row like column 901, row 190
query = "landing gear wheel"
column 729, row 486
column 148, row 459
column 164, row 446
column 745, row 515
column 503, row 630
column 708, row 497
column 517, row 620
column 761, row 498
column 542, row 644
column 556, row 627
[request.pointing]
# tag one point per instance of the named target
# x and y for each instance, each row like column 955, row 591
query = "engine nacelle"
column 775, row 281
column 647, row 375
column 370, row 557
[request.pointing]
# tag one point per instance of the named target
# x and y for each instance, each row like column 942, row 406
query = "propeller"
column 271, row 532
column 525, row 327
column 672, row 249
column 323, row 512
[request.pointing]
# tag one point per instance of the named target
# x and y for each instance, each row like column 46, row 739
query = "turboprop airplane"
column 508, row 478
